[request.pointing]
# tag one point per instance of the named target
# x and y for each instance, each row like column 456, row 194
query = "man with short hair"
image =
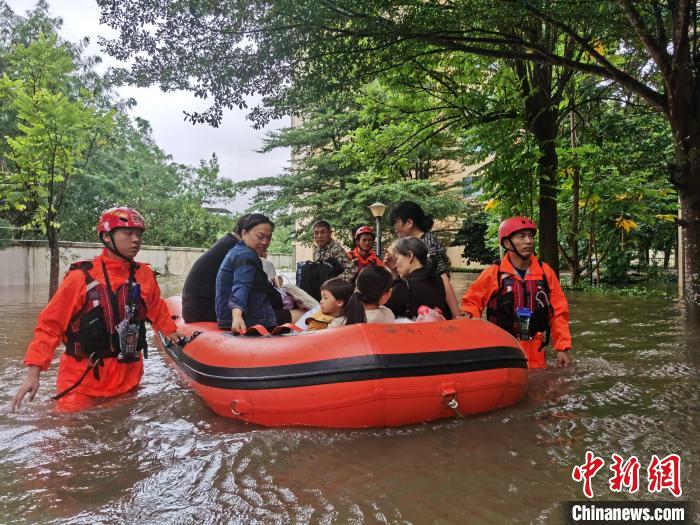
column 99, row 313
column 329, row 260
column 328, row 248
column 523, row 296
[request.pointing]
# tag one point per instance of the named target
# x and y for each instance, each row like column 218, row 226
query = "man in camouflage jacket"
column 328, row 248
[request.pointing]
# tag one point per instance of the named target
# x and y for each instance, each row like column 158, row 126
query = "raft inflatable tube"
column 364, row 375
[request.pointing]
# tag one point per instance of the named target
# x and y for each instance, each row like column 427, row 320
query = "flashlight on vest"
column 524, row 315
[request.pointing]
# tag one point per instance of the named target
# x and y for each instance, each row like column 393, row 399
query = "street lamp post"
column 378, row 210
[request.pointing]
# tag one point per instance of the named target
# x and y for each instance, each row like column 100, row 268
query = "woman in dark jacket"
column 416, row 283
column 244, row 296
column 411, row 221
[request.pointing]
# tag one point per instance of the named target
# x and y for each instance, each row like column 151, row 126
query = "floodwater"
column 159, row 455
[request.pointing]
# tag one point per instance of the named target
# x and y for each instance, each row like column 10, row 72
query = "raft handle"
column 449, row 397
column 180, row 342
column 239, row 407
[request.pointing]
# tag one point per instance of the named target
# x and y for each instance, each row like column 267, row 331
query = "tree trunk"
column 575, row 196
column 52, row 235
column 547, row 173
column 590, row 255
column 595, row 266
column 690, row 234
column 684, row 115
column 541, row 114
column 643, row 254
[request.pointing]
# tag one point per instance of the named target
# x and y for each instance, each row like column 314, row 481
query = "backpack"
column 311, row 275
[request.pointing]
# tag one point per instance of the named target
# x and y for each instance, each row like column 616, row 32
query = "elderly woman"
column 411, row 221
column 415, row 282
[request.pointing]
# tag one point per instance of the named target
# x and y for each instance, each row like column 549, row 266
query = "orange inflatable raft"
column 365, row 375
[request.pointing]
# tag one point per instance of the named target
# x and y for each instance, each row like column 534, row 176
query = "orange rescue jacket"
column 115, row 378
column 486, row 286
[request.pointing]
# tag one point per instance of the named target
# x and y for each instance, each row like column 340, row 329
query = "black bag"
column 311, row 275
column 92, row 336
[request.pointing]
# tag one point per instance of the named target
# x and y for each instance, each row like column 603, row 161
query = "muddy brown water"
column 159, row 455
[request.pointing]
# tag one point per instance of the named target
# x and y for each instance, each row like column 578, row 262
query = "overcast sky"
column 235, row 142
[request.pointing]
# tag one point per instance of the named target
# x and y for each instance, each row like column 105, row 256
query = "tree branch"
column 681, row 22
column 606, row 69
column 658, row 53
column 661, row 37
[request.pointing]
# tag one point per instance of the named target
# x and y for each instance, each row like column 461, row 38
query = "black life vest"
column 93, row 329
column 513, row 294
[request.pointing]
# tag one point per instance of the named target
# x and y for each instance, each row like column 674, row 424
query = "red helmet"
column 513, row 225
column 364, row 229
column 120, row 218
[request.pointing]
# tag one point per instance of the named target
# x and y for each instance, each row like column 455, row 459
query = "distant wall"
column 282, row 261
column 27, row 262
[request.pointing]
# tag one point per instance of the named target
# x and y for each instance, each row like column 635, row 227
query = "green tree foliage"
column 58, row 128
column 69, row 150
column 345, row 158
column 625, row 204
column 614, row 200
column 282, row 239
column 474, row 237
column 173, row 197
column 297, row 53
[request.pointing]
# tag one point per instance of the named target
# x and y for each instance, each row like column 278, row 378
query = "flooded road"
column 159, row 455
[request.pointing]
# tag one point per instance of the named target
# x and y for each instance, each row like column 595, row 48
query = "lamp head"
column 378, row 209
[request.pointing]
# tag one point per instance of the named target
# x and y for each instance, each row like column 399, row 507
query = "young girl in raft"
column 334, row 296
column 366, row 305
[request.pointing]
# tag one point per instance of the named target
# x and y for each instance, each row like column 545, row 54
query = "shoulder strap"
column 502, row 277
column 91, row 284
column 544, row 275
column 83, row 266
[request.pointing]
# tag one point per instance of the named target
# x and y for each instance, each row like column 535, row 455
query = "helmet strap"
column 113, row 247
column 512, row 249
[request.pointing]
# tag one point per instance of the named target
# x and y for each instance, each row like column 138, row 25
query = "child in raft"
column 366, row 305
column 335, row 294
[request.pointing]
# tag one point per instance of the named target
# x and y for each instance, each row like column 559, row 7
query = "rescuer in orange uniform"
column 363, row 255
column 99, row 313
column 523, row 296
